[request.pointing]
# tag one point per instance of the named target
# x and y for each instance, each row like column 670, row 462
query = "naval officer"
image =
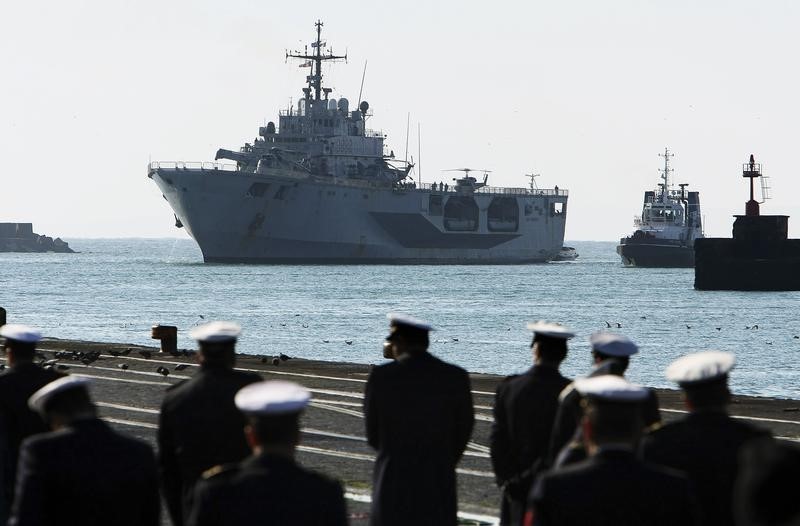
column 419, row 416
column 612, row 486
column 706, row 443
column 83, row 472
column 199, row 426
column 17, row 420
column 524, row 410
column 269, row 487
column 611, row 353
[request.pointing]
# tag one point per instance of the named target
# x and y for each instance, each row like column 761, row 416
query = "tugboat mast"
column 665, row 174
column 315, row 61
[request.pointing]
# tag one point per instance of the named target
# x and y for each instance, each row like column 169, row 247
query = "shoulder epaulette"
column 218, row 470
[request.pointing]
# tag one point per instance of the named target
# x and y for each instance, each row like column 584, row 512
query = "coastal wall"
column 20, row 237
column 732, row 264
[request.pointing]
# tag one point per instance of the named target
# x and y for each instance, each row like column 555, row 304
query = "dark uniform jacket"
column 199, row 428
column 86, row 474
column 267, row 490
column 567, row 438
column 17, row 421
column 612, row 488
column 524, row 410
column 705, row 446
column 419, row 418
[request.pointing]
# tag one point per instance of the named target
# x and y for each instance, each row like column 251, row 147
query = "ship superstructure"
column 321, row 187
column 667, row 227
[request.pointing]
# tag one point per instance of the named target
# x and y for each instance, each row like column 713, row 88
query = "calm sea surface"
column 114, row 290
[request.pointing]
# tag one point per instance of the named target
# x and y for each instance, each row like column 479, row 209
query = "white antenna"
column 419, row 156
column 363, row 75
column 665, row 174
column 408, row 123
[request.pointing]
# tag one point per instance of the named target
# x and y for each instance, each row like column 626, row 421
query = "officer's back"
column 418, row 412
column 17, row 384
column 199, row 425
column 706, row 443
column 269, row 487
column 83, row 472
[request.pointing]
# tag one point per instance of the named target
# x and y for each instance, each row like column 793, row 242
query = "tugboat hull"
column 656, row 255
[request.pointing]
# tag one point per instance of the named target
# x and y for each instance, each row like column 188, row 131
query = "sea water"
column 113, row 290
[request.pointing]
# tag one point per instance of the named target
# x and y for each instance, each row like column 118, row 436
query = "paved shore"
column 129, row 390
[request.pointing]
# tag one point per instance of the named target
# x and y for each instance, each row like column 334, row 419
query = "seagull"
column 769, row 343
column 201, row 316
column 619, row 325
column 608, row 325
column 454, row 339
column 122, row 366
column 688, row 326
column 349, row 342
column 755, row 326
column 326, row 341
column 718, row 328
column 283, row 325
column 642, row 317
column 796, row 337
column 305, row 326
column 146, row 354
column 163, row 371
column 181, row 366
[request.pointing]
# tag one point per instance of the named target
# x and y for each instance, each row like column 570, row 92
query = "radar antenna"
column 315, row 60
column 665, row 174
column 533, row 184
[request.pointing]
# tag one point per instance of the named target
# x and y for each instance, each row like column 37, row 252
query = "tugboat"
column 759, row 257
column 666, row 230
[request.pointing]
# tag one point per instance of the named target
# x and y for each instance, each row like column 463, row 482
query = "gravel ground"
column 333, row 438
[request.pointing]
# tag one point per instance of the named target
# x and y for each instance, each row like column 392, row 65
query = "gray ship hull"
column 246, row 217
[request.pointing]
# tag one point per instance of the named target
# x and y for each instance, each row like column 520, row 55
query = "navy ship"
column 667, row 228
column 320, row 187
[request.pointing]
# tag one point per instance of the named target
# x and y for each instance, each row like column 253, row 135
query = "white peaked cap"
column 216, row 331
column 273, row 397
column 20, row 333
column 39, row 399
column 612, row 344
column 396, row 318
column 700, row 367
column 611, row 387
column 551, row 330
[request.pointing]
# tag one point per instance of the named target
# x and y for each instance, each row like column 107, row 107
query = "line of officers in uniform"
column 587, row 452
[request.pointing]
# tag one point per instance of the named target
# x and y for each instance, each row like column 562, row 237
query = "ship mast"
column 315, row 60
column 665, row 174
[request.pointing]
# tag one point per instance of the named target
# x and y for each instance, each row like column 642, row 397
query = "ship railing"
column 374, row 133
column 545, row 192
column 450, row 188
column 186, row 165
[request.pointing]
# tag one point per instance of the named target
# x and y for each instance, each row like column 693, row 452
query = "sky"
column 584, row 93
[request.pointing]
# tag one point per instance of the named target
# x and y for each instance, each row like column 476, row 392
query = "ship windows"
column 257, row 190
column 503, row 215
column 435, row 205
column 461, row 214
column 556, row 209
